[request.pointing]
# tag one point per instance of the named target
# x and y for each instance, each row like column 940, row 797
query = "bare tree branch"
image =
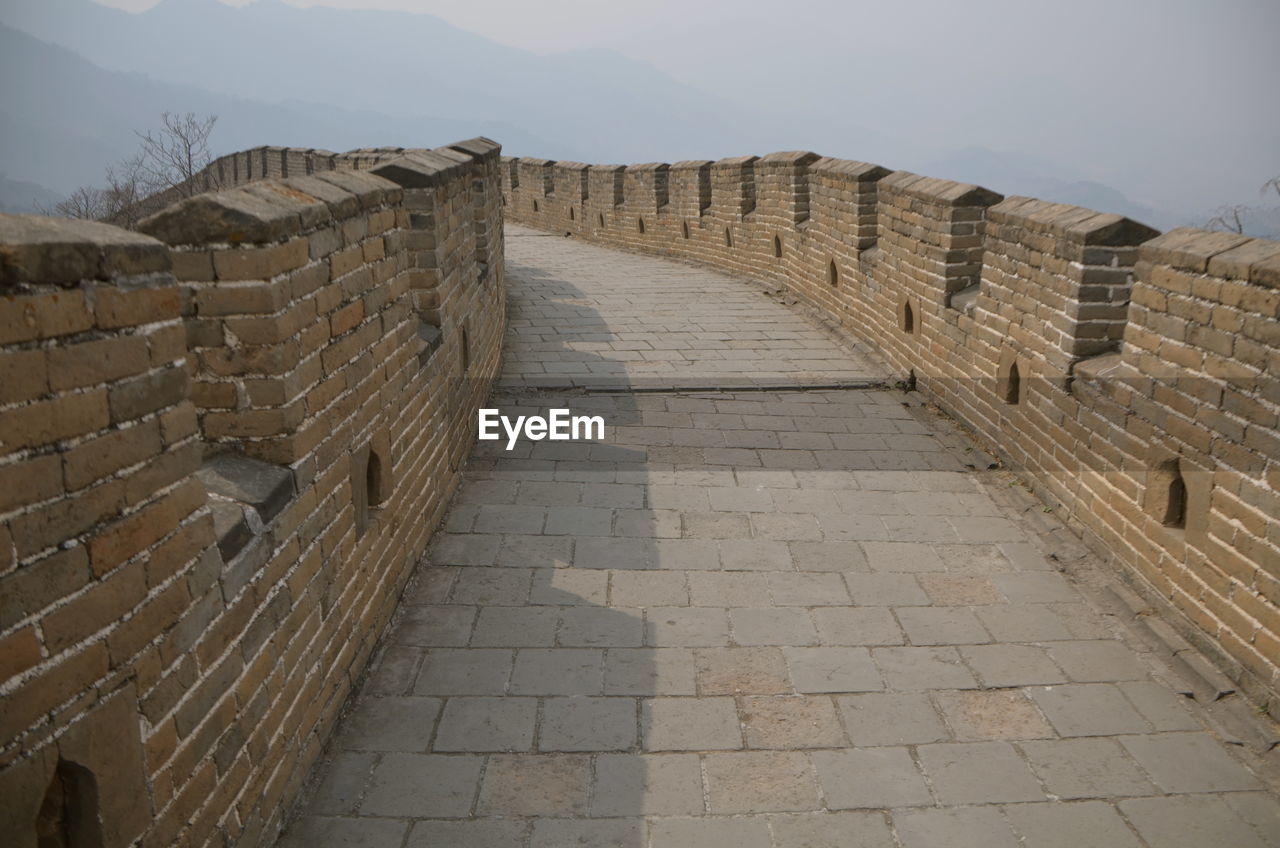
column 1229, row 219
column 172, row 156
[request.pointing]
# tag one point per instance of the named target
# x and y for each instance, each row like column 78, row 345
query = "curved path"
column 781, row 615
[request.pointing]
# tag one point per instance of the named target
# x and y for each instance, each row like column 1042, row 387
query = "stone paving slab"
column 761, row 619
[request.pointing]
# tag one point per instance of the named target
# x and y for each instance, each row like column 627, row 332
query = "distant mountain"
column 23, row 198
column 1013, row 173
column 596, row 104
column 69, row 119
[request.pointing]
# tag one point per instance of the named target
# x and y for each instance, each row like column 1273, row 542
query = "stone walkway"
column 778, row 618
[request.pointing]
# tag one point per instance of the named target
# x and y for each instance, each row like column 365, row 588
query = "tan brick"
column 23, row 375
column 45, row 316
column 343, row 262
column 73, row 674
column 134, row 534
column 214, row 395
column 48, row 421
column 241, row 298
column 30, row 481
column 104, row 603
column 130, row 308
column 260, row 263
column 88, row 364
column 347, row 318
column 190, row 265
column 19, row 651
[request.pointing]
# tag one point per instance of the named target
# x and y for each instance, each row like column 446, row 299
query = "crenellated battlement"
column 225, row 441
column 1131, row 375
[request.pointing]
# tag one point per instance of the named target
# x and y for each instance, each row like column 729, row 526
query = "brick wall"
column 224, row 443
column 1130, row 375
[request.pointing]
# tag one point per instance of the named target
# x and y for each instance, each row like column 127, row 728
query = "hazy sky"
column 1169, row 99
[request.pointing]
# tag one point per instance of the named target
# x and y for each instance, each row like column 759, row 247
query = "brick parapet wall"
column 224, row 448
column 1123, row 372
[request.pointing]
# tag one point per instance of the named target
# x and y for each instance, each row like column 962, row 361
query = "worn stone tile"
column 790, row 722
column 828, row 556
column 754, row 555
column 647, row 785
column 759, row 781
column 941, row 626
column 832, row 670
column 1192, row 822
column 902, row 556
column 716, row 525
column 558, row 671
column 1162, row 709
column 959, row 589
column 516, row 627
column 686, row 627
column 1011, row 665
column 1088, row 709
column 1035, row 587
column 649, row 671
column 890, row 719
column 487, row 724
column 476, row 833
column 464, row 671
column 972, row 827
column 492, row 586
column 984, row 715
column 1097, row 661
column 729, row 589
column 858, row 626
column 911, row 668
column 578, row 521
column 1023, row 623
column 391, row 724
column 772, row 627
column 648, row 589
column 527, row 551
column 435, row 626
column 463, row 549
column 569, row 587
column 344, row 832
column 593, row 627
column 807, row 590
column 1188, row 762
column 345, row 776
column 690, row 724
column 1085, row 768
column 588, row 724
column 613, row 553
column 1070, row 825
column 686, row 554
column 714, row 832
column 978, row 773
column 604, row 833
column 845, row 783
column 535, row 785
column 733, row 671
column 423, row 785
column 885, row 590
column 786, row 527
column 831, row 830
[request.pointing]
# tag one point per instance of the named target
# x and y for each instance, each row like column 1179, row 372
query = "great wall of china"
column 225, row 440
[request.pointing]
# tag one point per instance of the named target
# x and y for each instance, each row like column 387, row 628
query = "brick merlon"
column 58, row 251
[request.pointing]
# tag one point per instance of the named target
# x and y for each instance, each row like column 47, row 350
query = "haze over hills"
column 69, row 119
column 342, row 78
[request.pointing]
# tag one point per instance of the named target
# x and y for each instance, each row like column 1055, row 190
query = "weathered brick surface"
column 289, row 330
column 1105, row 362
